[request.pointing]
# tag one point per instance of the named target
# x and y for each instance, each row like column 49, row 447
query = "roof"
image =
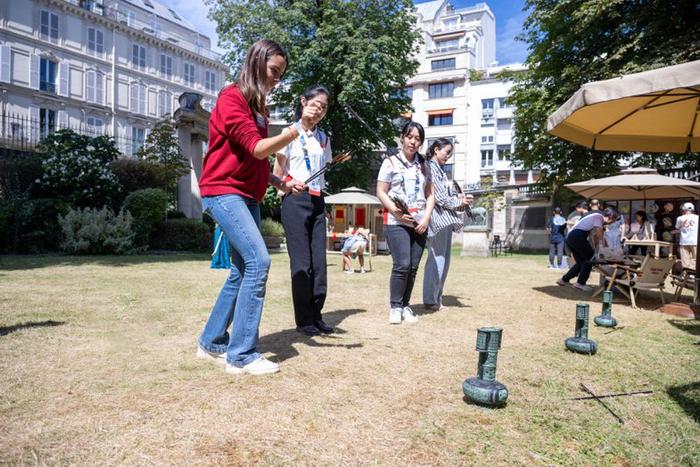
column 428, row 10
column 352, row 195
column 163, row 11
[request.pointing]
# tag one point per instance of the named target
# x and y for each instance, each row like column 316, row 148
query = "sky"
column 509, row 21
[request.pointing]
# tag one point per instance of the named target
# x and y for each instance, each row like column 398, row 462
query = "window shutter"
column 63, row 79
column 5, row 71
column 34, row 72
column 62, row 119
column 134, row 97
column 100, row 88
column 90, row 86
column 34, row 123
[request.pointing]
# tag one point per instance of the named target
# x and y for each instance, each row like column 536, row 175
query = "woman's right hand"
column 310, row 116
column 295, row 187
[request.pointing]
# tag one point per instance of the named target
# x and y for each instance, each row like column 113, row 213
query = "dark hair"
column 595, row 201
column 611, row 213
column 410, row 126
column 438, row 144
column 557, row 210
column 254, row 73
column 641, row 213
column 308, row 94
column 582, row 205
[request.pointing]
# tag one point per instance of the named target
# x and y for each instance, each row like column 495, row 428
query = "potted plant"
column 273, row 233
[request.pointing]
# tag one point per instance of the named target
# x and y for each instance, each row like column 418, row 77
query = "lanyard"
column 306, row 153
column 416, row 186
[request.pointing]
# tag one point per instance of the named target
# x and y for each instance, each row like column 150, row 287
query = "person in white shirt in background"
column 687, row 227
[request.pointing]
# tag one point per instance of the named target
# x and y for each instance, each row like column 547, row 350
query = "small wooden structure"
column 355, row 207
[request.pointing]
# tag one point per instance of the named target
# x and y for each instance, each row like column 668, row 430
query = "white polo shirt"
column 313, row 145
column 687, row 225
column 407, row 182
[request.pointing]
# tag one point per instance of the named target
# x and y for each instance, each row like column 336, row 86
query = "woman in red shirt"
column 235, row 175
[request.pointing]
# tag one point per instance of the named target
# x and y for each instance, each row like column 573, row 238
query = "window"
column 138, row 56
column 486, row 107
column 175, row 15
column 95, row 42
column 95, row 87
column 503, row 152
column 166, row 66
column 487, row 158
column 408, row 92
column 487, row 139
column 138, row 136
column 444, row 64
column 440, row 119
column 189, row 74
column 48, row 30
column 47, row 122
column 210, row 81
column 47, row 75
column 502, row 104
column 94, row 126
column 444, row 46
column 138, row 98
column 439, row 90
column 503, row 124
column 449, row 23
column 164, row 104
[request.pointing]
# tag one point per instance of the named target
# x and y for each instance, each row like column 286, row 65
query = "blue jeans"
column 436, row 267
column 241, row 299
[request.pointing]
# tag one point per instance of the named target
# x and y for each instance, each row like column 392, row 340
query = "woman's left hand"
column 422, row 226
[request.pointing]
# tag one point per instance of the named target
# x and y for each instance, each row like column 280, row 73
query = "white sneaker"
column 551, row 266
column 261, row 366
column 350, row 271
column 408, row 315
column 395, row 316
column 218, row 358
column 585, row 288
column 362, row 270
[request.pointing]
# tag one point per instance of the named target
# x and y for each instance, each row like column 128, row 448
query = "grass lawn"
column 98, row 367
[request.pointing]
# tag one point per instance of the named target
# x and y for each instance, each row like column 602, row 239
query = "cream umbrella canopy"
column 637, row 184
column 652, row 111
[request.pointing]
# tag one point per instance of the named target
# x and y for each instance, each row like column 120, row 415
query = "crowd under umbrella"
column 652, row 111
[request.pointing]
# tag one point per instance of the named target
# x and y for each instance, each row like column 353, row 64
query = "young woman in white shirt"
column 405, row 177
column 304, row 215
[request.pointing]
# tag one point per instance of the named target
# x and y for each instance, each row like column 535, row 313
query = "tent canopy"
column 637, row 184
column 352, row 195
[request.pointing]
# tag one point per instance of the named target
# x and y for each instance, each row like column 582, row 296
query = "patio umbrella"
column 652, row 111
column 637, row 184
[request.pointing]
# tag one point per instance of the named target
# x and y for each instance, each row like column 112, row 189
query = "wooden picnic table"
column 656, row 244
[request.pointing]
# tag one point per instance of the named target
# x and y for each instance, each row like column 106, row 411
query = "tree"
column 572, row 42
column 361, row 50
column 162, row 147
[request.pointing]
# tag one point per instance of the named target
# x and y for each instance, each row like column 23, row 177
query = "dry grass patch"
column 98, row 368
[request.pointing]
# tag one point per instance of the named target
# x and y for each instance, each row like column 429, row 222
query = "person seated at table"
column 589, row 230
column 640, row 229
column 355, row 245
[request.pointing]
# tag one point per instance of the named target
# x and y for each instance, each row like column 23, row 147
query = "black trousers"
column 583, row 253
column 406, row 250
column 304, row 220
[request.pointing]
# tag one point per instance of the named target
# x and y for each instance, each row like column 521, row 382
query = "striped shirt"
column 444, row 214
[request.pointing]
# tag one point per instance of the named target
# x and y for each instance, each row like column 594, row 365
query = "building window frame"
column 188, row 74
column 47, row 75
column 442, row 119
column 48, row 26
column 47, row 122
column 443, row 64
column 138, row 138
column 210, row 81
column 166, row 66
column 95, row 45
column 138, row 56
column 486, row 158
column 95, row 125
column 441, row 90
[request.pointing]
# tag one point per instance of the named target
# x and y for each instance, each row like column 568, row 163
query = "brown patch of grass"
column 117, row 382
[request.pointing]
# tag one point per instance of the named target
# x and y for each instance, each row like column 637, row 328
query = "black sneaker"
column 323, row 327
column 309, row 330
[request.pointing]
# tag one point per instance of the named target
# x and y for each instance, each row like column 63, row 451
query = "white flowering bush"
column 97, row 231
column 76, row 168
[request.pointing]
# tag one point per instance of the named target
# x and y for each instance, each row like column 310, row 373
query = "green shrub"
column 75, row 169
column 148, row 207
column 136, row 174
column 182, row 235
column 172, row 214
column 19, row 173
column 271, row 228
column 271, row 204
column 30, row 225
column 97, row 231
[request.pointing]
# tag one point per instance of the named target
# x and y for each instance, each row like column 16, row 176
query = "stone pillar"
column 192, row 123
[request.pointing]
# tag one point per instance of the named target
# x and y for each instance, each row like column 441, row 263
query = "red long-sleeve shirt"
column 229, row 166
